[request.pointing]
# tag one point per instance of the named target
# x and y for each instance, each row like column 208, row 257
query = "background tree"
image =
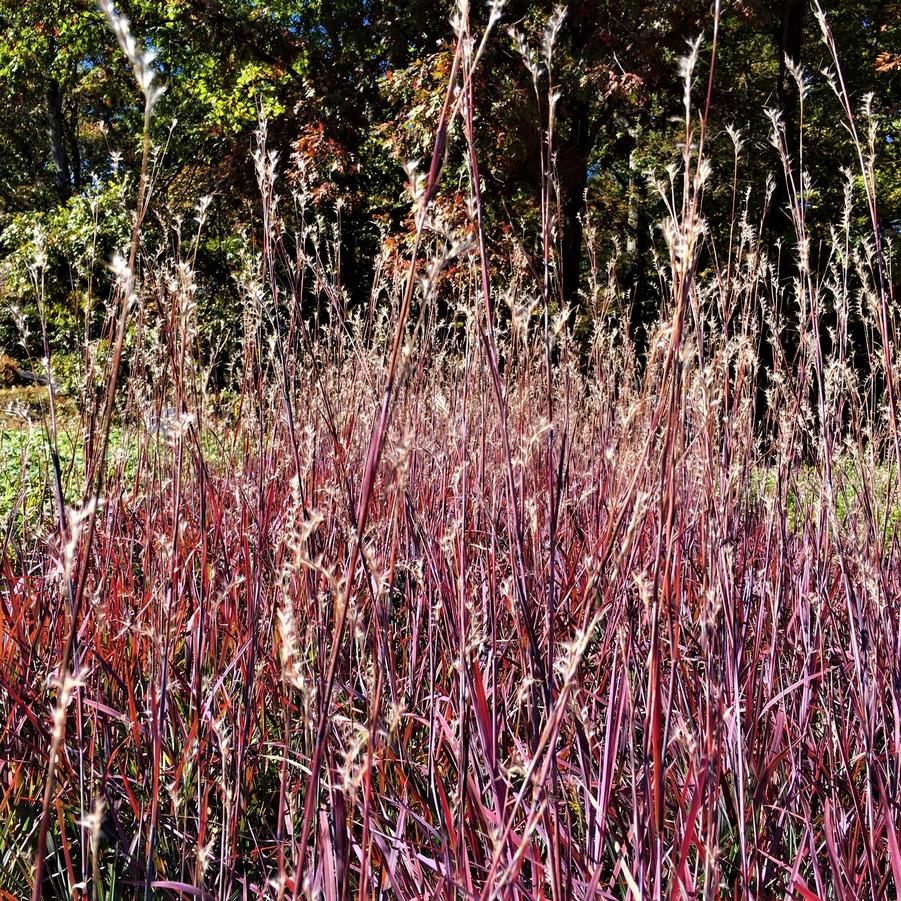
column 349, row 89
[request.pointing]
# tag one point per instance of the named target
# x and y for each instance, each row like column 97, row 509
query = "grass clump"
column 508, row 615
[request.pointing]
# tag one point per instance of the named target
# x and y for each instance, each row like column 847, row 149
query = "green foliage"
column 27, row 491
column 352, row 90
column 64, row 253
column 26, row 481
column 65, row 101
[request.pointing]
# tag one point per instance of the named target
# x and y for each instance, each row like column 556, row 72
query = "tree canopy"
column 351, row 91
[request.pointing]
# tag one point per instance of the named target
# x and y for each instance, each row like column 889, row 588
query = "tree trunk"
column 572, row 156
column 56, row 129
column 74, row 149
column 571, row 241
column 788, row 38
